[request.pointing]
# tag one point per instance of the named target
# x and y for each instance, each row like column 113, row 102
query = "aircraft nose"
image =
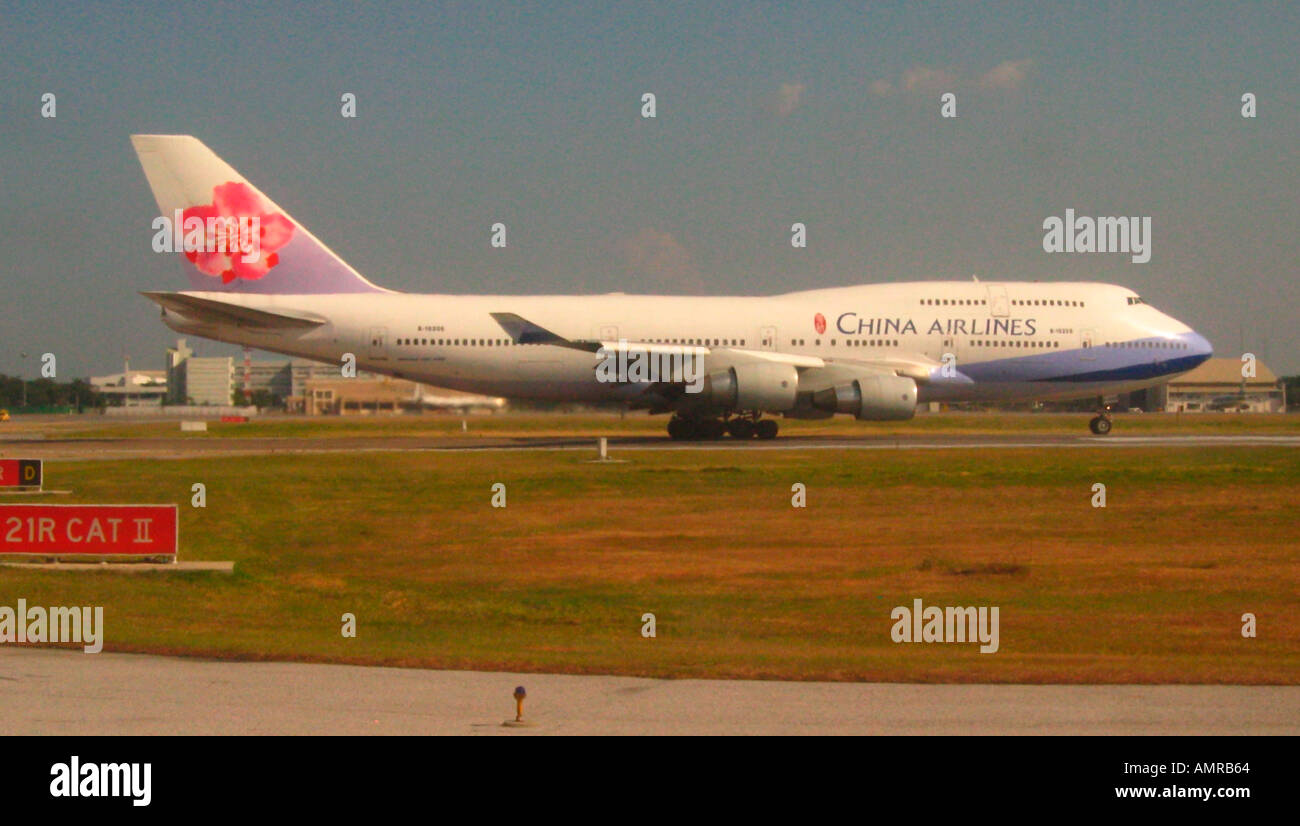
column 1200, row 347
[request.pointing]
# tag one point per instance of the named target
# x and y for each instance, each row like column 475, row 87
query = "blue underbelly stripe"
column 1068, row 366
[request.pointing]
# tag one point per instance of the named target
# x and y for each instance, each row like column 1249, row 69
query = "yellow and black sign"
column 20, row 473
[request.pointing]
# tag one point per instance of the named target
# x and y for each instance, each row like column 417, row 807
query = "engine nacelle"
column 759, row 386
column 870, row 397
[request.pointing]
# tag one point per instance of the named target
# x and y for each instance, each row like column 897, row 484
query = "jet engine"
column 869, row 397
column 759, row 386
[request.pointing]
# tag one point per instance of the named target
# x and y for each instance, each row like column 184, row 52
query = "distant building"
column 214, row 374
column 173, row 362
column 132, row 388
column 270, row 376
column 337, row 395
column 208, row 381
column 288, row 379
column 1217, row 385
column 306, row 386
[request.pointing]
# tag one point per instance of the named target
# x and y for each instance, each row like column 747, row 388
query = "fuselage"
column 971, row 340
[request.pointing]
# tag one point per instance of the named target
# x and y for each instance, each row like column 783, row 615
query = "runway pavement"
column 50, row 691
column 201, row 446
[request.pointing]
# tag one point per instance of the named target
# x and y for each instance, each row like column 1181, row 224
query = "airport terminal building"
column 1218, row 386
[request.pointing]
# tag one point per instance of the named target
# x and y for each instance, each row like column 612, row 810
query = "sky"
column 767, row 114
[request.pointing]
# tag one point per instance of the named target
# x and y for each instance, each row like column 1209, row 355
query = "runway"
column 200, row 446
column 67, row 692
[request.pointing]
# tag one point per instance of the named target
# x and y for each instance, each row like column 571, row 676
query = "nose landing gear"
column 1100, row 424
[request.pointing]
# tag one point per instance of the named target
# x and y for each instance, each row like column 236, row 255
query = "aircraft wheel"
column 741, row 428
column 679, row 429
column 767, row 429
column 712, row 429
column 1100, row 425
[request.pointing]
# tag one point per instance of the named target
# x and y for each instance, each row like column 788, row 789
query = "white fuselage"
column 1003, row 340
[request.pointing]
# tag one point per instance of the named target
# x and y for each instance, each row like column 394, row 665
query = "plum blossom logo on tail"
column 819, row 323
column 237, row 206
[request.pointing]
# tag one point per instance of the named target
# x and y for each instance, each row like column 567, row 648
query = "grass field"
column 91, row 426
column 1149, row 589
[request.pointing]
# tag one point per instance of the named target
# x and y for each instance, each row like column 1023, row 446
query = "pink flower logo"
column 222, row 254
column 819, row 323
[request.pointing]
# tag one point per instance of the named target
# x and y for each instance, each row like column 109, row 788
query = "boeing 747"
column 260, row 279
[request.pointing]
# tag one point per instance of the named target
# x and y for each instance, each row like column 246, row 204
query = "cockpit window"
column 1135, row 299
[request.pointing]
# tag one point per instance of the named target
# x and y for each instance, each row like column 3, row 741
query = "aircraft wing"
column 523, row 331
column 212, row 310
column 919, row 369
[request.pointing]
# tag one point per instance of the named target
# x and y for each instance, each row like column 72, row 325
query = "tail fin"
column 234, row 238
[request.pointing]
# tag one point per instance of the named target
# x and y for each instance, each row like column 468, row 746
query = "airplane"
column 461, row 403
column 1234, row 402
column 873, row 351
column 1225, row 404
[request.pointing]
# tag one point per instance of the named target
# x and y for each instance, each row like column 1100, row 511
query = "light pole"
column 23, row 379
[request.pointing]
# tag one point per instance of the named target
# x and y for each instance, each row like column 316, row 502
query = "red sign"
column 24, row 473
column 109, row 530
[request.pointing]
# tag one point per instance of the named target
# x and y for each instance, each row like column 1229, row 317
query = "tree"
column 263, row 399
column 47, row 393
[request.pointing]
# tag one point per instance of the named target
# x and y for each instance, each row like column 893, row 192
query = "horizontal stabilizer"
column 222, row 312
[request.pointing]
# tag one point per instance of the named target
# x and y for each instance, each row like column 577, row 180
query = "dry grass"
column 1149, row 589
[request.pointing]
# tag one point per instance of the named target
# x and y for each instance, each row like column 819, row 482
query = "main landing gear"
column 682, row 428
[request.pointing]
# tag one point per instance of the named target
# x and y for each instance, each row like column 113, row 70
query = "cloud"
column 925, row 79
column 787, row 98
column 659, row 258
column 881, row 87
column 1009, row 74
